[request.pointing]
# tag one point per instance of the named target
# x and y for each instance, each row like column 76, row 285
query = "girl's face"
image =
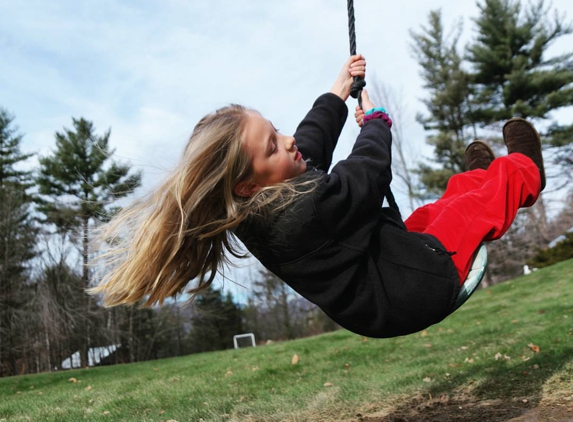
column 274, row 157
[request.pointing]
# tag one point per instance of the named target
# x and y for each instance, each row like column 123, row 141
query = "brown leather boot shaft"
column 479, row 155
column 520, row 136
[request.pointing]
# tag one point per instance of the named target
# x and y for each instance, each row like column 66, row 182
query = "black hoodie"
column 339, row 248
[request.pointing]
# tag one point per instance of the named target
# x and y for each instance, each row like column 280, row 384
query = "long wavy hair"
column 182, row 230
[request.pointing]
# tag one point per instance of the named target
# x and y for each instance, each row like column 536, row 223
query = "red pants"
column 477, row 206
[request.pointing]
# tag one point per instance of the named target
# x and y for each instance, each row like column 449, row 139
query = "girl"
column 325, row 234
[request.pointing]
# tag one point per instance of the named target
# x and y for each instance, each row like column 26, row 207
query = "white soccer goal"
column 244, row 340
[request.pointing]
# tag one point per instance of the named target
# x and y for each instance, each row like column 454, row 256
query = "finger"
column 357, row 72
column 355, row 58
column 358, row 63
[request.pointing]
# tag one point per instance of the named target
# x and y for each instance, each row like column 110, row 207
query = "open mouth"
column 297, row 156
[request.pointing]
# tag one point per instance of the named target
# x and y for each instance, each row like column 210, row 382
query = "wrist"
column 377, row 114
column 340, row 92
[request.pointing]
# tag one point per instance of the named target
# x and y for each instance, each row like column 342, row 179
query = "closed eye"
column 275, row 147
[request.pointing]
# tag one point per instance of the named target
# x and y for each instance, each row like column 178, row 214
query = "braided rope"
column 359, row 83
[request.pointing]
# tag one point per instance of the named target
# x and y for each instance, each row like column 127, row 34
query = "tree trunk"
column 130, row 336
column 286, row 312
column 85, row 284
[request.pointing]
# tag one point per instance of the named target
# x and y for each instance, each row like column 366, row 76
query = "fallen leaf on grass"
column 88, row 388
column 427, row 379
column 295, row 359
column 499, row 356
column 469, row 360
column 424, row 333
column 72, row 379
column 533, row 347
column 106, row 412
column 328, row 384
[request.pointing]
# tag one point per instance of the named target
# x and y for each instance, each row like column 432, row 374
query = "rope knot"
column 357, row 86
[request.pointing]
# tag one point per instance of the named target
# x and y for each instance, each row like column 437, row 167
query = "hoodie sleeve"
column 353, row 193
column 318, row 133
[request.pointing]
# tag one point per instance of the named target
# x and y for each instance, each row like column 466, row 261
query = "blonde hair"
column 182, row 230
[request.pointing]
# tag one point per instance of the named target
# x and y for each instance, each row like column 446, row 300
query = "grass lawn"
column 507, row 354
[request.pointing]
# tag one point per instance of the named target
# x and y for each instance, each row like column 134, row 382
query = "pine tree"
column 215, row 321
column 17, row 244
column 275, row 297
column 512, row 75
column 448, row 102
column 79, row 187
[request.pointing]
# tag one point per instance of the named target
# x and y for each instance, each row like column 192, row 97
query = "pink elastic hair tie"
column 378, row 115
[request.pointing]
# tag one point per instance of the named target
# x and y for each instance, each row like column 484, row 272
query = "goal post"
column 244, row 340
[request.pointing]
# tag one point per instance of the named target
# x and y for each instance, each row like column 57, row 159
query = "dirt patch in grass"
column 469, row 409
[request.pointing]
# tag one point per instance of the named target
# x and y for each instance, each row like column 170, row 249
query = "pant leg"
column 468, row 217
column 462, row 182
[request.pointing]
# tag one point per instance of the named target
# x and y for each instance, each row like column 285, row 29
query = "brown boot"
column 479, row 155
column 520, row 136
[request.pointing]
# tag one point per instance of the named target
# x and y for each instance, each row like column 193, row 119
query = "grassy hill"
column 507, row 354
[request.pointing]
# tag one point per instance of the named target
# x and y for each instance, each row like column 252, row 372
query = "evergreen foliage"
column 512, row 75
column 17, row 244
column 448, row 102
column 75, row 180
column 506, row 72
column 216, row 319
column 562, row 251
column 77, row 186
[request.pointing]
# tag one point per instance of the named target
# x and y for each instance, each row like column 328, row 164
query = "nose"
column 290, row 143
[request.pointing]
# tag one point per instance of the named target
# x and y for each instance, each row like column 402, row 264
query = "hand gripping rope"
column 479, row 263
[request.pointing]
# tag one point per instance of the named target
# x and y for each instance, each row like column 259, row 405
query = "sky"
column 149, row 70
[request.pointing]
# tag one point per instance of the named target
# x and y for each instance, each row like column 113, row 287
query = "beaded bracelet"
column 378, row 115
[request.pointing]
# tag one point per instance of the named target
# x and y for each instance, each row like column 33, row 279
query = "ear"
column 246, row 189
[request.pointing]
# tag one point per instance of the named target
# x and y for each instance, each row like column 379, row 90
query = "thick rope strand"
column 359, row 83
